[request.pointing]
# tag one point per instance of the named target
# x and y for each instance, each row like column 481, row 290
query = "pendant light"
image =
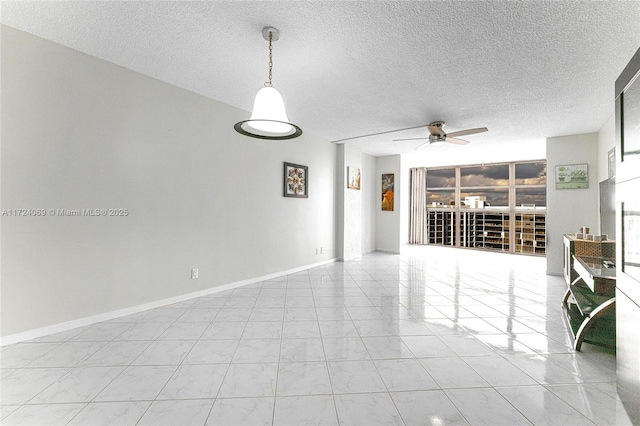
column 269, row 118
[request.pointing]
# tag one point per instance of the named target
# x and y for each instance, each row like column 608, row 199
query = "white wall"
column 569, row 209
column 387, row 222
column 371, row 199
column 81, row 133
column 352, row 214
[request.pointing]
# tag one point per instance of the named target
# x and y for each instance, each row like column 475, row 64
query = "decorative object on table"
column 269, row 118
column 296, row 180
column 387, row 192
column 572, row 176
column 353, row 178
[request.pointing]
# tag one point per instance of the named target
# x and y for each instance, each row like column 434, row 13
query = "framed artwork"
column 387, row 192
column 353, row 178
column 612, row 162
column 572, row 176
column 296, row 180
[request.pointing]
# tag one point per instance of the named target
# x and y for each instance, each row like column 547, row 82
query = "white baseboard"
column 83, row 322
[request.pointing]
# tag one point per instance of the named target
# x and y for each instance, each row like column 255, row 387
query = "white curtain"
column 418, row 219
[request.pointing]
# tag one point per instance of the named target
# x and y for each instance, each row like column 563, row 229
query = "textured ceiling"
column 526, row 70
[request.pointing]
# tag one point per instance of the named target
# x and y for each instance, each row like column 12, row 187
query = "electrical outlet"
column 194, row 273
column 321, row 250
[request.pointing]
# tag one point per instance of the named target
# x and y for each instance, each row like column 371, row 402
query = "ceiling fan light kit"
column 269, row 118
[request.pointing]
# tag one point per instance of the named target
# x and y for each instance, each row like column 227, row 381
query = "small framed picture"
column 611, row 157
column 296, row 180
column 387, row 192
column 572, row 176
column 353, row 178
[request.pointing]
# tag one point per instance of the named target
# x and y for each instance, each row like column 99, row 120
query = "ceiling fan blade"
column 410, row 139
column 467, row 132
column 456, row 141
column 422, row 144
column 377, row 134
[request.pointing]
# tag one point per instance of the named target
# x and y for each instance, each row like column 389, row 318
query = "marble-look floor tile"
column 355, row 377
column 198, row 315
column 387, row 347
column 485, row 406
column 346, row 348
column 427, row 346
column 111, row 413
column 233, row 314
column 249, row 380
column 80, row 385
column 453, row 372
column 367, row 409
column 5, row 410
column 165, row 352
column 542, row 407
column 301, row 350
column 177, row 412
column 497, row 371
column 257, row 350
column 102, row 332
column 60, row 337
column 137, row 383
column 427, row 408
column 67, row 354
column 21, row 354
column 212, row 352
column 591, row 402
column 311, row 378
column 224, row 330
column 46, row 414
column 24, row 384
column 267, row 314
column 586, row 367
column 338, row 329
column 543, row 370
column 241, row 411
column 263, row 330
column 466, row 345
column 165, row 314
column 404, row 375
column 194, row 381
column 411, row 327
column 184, row 331
column 144, row 331
column 305, row 410
column 375, row 328
column 299, row 314
column 301, row 330
column 334, row 313
column 117, row 353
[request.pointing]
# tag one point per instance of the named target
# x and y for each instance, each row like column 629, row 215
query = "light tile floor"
column 435, row 336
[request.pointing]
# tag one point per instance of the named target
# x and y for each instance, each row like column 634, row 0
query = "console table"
column 589, row 302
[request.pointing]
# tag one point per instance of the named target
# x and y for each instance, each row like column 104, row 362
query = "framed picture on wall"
column 296, row 180
column 572, row 176
column 387, row 192
column 353, row 178
column 611, row 162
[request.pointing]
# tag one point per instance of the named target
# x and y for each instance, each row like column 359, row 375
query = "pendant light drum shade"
column 269, row 118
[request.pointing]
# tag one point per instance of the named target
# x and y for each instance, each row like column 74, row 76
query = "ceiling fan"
column 438, row 136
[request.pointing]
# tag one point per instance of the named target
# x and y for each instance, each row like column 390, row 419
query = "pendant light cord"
column 268, row 83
